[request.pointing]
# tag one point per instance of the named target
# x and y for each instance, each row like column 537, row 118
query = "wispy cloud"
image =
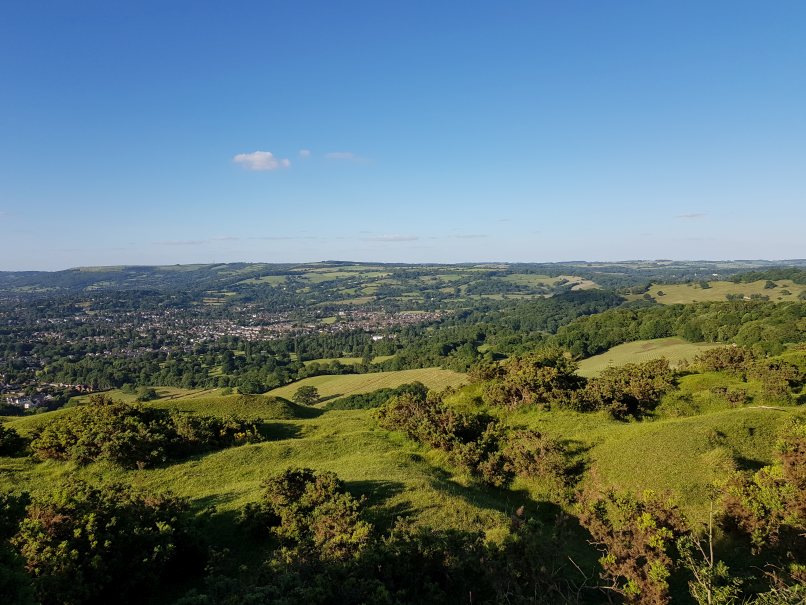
column 343, row 156
column 392, row 238
column 282, row 238
column 181, row 242
column 225, row 238
column 261, row 161
column 304, row 153
column 691, row 216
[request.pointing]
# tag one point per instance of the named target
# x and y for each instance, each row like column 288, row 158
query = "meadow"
column 674, row 349
column 334, row 386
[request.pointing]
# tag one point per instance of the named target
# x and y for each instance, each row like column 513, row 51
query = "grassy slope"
column 674, row 349
column 681, row 455
column 333, row 386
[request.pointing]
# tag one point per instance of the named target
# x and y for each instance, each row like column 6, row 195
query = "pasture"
column 334, row 386
column 674, row 349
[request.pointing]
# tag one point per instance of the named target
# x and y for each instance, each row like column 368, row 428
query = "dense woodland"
column 514, row 486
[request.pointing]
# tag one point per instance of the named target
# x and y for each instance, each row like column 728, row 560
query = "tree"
column 306, row 395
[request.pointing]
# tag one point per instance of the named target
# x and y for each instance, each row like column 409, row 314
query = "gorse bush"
column 135, row 436
column 477, row 443
column 311, row 514
column 637, row 536
column 82, row 544
column 549, row 378
column 629, row 390
column 473, row 441
column 544, row 377
column 770, row 506
column 329, row 554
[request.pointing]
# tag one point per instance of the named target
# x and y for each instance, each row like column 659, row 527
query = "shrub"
column 306, row 395
column 770, row 506
column 531, row 454
column 312, row 514
column 632, row 389
column 133, row 436
column 637, row 536
column 471, row 440
column 545, row 377
column 84, row 544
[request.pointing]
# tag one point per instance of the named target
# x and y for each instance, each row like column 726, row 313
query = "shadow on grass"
column 327, row 398
column 378, row 493
column 278, row 431
column 748, row 464
column 305, row 411
column 576, row 454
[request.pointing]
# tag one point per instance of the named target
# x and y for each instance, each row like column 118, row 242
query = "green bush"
column 311, row 514
column 134, row 436
column 83, row 544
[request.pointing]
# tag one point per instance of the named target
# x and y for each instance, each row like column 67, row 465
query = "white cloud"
column 691, row 216
column 304, row 153
column 262, row 161
column 348, row 156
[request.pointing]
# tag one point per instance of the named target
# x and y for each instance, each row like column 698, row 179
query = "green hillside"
column 673, row 349
column 334, row 386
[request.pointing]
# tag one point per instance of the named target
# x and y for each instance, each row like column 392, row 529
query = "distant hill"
column 237, row 275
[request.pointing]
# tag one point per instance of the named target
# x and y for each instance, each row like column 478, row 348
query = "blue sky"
column 171, row 132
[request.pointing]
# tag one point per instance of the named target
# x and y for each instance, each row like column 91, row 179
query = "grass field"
column 687, row 293
column 673, row 349
column 163, row 392
column 348, row 361
column 332, row 387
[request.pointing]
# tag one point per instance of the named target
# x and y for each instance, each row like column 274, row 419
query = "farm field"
column 348, row 361
column 162, row 392
column 673, row 349
column 688, row 293
column 332, row 387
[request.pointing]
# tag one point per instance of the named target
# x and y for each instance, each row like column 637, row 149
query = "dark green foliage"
column 134, row 436
column 732, row 359
column 16, row 587
column 409, row 565
column 531, row 454
column 629, row 390
column 637, row 536
column 761, row 325
column 545, row 377
column 146, row 394
column 777, row 377
column 11, row 443
column 312, row 515
column 794, row 274
column 87, row 545
column 306, row 395
column 472, row 440
column 363, row 401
